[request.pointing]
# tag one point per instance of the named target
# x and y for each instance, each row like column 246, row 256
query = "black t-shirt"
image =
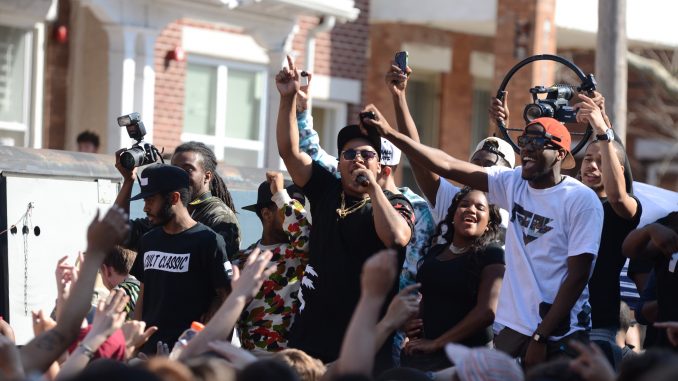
column 604, row 289
column 338, row 247
column 449, row 289
column 180, row 273
column 667, row 282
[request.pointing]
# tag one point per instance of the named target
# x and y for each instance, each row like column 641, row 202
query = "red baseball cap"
column 558, row 130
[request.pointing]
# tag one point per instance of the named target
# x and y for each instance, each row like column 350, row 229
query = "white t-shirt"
column 444, row 197
column 547, row 226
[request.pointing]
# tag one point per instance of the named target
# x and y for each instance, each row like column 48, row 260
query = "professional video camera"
column 141, row 153
column 555, row 105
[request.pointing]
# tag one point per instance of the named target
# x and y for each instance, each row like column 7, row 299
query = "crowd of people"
column 513, row 275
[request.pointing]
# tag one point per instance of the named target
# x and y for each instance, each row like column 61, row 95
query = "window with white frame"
column 15, row 76
column 224, row 107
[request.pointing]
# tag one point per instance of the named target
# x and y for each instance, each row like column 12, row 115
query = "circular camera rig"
column 555, row 104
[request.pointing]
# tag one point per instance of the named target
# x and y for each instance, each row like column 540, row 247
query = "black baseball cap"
column 161, row 178
column 264, row 195
column 353, row 131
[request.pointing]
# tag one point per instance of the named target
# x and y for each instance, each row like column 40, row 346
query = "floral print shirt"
column 265, row 322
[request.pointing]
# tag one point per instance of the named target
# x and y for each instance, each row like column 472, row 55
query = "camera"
column 141, row 153
column 555, row 105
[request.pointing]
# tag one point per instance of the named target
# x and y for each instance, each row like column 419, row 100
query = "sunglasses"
column 538, row 142
column 350, row 154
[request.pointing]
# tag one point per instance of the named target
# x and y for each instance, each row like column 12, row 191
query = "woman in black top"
column 460, row 281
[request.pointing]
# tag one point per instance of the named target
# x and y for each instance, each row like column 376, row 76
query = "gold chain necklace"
column 343, row 211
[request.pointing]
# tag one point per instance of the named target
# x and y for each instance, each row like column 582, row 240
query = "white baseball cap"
column 390, row 154
column 503, row 149
column 483, row 363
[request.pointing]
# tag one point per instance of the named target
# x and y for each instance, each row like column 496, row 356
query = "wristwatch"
column 538, row 337
column 608, row 136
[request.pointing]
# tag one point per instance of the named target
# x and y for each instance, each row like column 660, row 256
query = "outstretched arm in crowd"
column 611, row 168
column 109, row 316
column 578, row 270
column 434, row 159
column 298, row 163
column 102, row 235
column 396, row 81
column 357, row 349
column 482, row 315
column 244, row 287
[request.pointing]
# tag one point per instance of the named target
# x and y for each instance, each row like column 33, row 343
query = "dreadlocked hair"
column 209, row 163
column 445, row 230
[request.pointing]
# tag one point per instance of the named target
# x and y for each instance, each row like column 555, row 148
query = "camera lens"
column 532, row 112
column 133, row 157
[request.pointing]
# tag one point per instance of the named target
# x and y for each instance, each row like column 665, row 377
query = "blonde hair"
column 306, row 367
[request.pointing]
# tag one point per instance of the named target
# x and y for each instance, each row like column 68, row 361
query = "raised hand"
column 66, row 275
column 379, row 272
column 499, row 109
column 127, row 174
column 403, row 307
column 589, row 112
column 276, row 180
column 396, row 80
column 110, row 313
column 379, row 123
column 247, row 282
column 136, row 335
column 41, row 323
column 304, row 94
column 103, row 234
column 287, row 81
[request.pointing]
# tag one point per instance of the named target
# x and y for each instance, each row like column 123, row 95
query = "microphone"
column 362, row 180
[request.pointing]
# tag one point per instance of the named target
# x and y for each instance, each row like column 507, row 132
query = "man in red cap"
column 551, row 242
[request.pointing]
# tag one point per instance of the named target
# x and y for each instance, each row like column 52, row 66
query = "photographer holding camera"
column 211, row 203
column 180, row 263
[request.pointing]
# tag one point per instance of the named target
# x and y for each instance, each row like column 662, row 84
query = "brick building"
column 203, row 69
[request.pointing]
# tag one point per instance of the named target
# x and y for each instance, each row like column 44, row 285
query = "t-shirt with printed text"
column 180, row 274
column 547, row 226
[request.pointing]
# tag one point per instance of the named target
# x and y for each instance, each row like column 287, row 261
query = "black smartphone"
column 401, row 60
column 368, row 115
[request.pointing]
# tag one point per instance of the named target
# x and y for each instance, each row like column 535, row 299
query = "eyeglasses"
column 350, row 154
column 537, row 142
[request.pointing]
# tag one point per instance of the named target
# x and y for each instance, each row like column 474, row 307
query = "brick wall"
column 169, row 90
column 55, row 81
column 456, row 87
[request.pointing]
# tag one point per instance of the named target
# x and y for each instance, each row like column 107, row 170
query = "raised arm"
column 299, row 164
column 102, row 235
column 611, row 168
column 244, row 287
column 396, row 81
column 434, row 159
column 309, row 141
